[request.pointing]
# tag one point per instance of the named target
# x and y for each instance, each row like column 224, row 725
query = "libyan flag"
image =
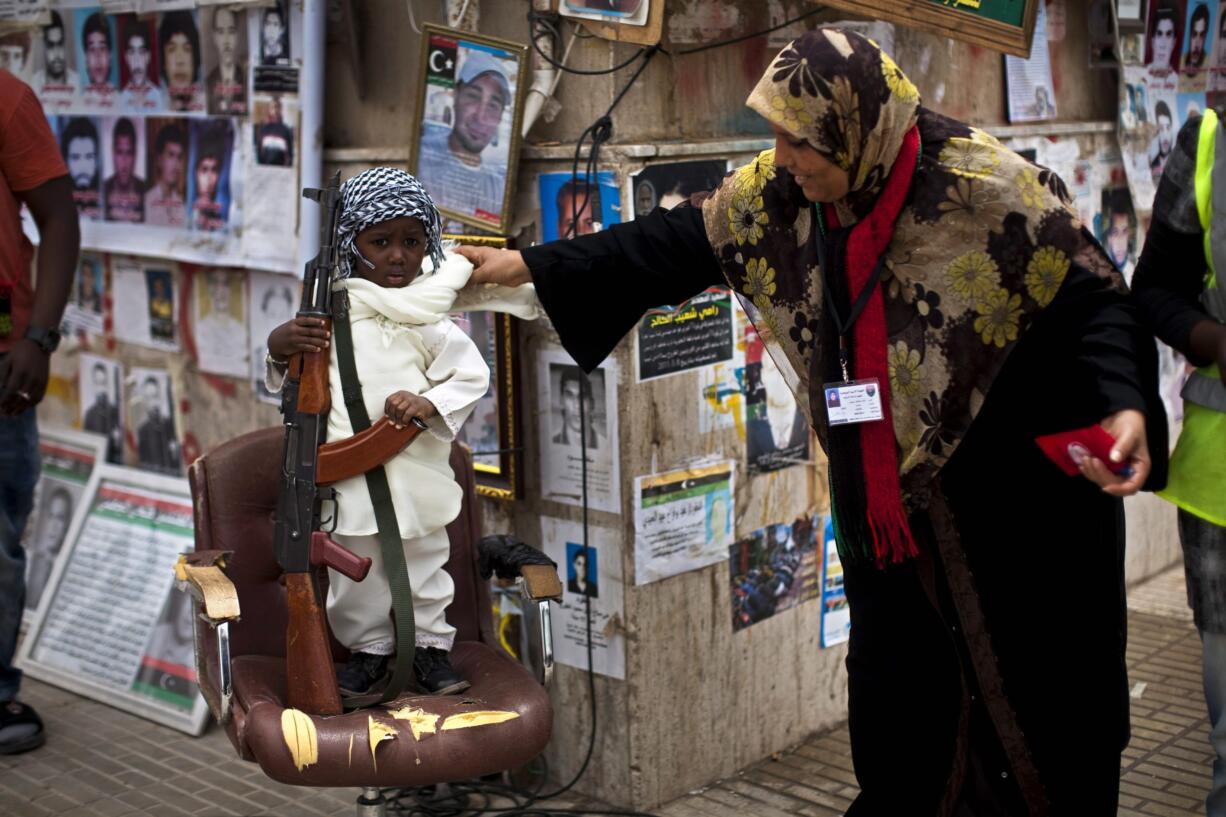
column 169, row 683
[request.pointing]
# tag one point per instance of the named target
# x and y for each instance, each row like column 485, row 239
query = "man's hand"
column 496, row 266
column 402, row 407
column 1128, row 429
column 24, row 380
column 298, row 335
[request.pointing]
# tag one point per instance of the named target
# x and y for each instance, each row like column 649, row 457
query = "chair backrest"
column 234, row 493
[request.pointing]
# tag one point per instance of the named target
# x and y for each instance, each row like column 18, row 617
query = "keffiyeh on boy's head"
column 378, row 195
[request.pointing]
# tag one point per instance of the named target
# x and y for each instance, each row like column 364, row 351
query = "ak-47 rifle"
column 308, row 466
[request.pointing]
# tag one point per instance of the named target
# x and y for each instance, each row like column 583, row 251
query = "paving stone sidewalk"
column 100, row 762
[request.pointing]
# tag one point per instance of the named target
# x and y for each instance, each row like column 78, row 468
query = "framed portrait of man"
column 469, row 107
column 492, row 430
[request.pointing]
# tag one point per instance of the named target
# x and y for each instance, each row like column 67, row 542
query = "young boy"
column 412, row 362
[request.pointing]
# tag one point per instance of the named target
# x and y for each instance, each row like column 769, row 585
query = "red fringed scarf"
column 892, row 540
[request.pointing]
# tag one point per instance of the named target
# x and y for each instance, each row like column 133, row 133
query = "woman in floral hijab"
column 884, row 244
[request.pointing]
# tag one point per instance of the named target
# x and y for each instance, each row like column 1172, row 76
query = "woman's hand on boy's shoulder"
column 402, row 406
column 301, row 334
column 496, row 266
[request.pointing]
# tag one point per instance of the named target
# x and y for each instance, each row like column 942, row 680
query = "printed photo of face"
column 124, row 153
column 136, row 56
column 1164, row 36
column 15, row 53
column 96, row 42
column 179, row 55
column 170, row 160
column 274, row 47
column 1198, row 35
column 225, row 35
column 570, row 196
column 55, row 51
column 208, row 173
column 80, row 147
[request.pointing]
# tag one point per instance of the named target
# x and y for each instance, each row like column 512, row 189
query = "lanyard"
column 843, row 327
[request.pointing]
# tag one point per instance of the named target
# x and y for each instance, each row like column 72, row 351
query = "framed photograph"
column 1003, row 25
column 111, row 625
column 469, row 107
column 492, row 430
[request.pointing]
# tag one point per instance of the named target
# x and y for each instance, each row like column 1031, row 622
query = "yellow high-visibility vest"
column 1197, row 480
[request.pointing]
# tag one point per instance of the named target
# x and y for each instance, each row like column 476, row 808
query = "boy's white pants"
column 360, row 612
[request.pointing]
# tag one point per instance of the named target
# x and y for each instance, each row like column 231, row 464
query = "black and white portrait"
column 151, row 413
column 574, row 401
column 49, row 524
column 101, row 410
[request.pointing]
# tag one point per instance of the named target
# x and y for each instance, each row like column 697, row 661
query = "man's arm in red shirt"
column 55, row 214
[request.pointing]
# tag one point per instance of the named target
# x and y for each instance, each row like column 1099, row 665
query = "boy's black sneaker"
column 434, row 672
column 360, row 675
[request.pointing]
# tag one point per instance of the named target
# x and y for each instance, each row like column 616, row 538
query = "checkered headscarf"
column 381, row 194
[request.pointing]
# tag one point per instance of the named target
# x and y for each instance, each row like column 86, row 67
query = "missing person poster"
column 145, row 301
column 1032, row 95
column 683, row 520
column 580, row 414
column 591, row 574
column 695, row 334
column 774, row 569
column 112, row 629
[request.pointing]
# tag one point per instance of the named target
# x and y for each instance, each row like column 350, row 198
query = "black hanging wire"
column 476, row 798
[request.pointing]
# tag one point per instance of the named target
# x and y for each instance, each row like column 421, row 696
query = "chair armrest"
column 200, row 575
column 538, row 585
column 204, row 580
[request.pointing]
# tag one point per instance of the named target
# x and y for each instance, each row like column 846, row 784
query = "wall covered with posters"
column 710, row 520
column 178, row 125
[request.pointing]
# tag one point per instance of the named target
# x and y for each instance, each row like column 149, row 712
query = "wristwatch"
column 46, row 339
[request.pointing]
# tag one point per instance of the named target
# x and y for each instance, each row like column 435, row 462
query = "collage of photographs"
column 150, row 110
column 1174, row 67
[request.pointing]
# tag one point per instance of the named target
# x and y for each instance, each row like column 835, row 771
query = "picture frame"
column 1002, row 25
column 120, row 559
column 493, row 429
column 464, row 76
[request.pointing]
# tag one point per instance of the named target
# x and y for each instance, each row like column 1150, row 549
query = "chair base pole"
column 371, row 803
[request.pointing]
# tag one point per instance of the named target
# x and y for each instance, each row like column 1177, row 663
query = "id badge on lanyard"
column 849, row 401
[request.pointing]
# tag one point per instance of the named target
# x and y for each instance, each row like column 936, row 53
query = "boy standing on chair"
column 413, row 364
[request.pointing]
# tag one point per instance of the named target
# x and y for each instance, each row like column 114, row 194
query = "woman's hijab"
column 981, row 245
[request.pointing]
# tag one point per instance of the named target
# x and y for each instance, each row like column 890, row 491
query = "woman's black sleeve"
column 596, row 287
column 1116, row 353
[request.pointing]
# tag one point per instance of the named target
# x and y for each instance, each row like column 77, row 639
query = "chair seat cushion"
column 344, row 753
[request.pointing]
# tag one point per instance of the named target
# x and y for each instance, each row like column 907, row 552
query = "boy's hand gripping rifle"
column 300, row 539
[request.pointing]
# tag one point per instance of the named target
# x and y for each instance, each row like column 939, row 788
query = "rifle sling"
column 385, row 512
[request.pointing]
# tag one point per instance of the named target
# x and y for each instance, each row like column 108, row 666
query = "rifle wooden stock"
column 363, row 451
column 311, row 372
column 308, row 655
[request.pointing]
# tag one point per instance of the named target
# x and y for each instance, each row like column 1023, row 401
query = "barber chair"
column 240, row 662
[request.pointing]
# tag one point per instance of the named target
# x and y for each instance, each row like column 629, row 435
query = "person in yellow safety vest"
column 1180, row 287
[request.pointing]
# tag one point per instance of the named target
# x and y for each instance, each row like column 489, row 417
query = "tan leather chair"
column 234, row 489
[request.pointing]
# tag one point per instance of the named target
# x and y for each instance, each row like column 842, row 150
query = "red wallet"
column 1069, row 448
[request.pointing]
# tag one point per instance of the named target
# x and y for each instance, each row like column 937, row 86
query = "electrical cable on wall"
column 477, row 798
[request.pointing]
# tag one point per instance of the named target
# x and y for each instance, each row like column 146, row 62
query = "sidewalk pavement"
column 100, row 762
